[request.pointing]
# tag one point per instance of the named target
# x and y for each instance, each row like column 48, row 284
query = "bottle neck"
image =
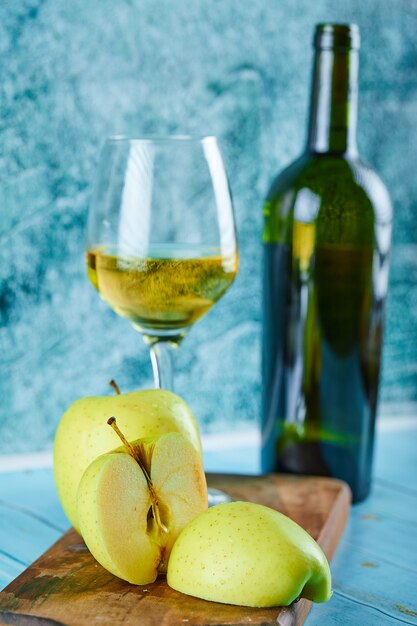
column 334, row 102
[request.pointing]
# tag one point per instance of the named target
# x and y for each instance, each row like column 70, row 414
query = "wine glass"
column 161, row 243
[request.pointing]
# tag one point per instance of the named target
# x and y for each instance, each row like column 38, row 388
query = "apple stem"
column 115, row 386
column 135, row 454
column 112, row 422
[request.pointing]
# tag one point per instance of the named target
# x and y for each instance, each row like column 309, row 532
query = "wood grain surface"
column 66, row 586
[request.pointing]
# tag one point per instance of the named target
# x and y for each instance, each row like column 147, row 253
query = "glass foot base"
column 215, row 496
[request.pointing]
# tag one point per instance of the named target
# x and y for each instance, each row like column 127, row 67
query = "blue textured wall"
column 72, row 73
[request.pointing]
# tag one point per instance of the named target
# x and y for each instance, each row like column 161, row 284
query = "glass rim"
column 160, row 139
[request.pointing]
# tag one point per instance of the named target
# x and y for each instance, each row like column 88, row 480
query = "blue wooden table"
column 375, row 566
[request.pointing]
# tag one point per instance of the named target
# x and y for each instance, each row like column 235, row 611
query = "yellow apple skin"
column 114, row 505
column 83, row 433
column 248, row 554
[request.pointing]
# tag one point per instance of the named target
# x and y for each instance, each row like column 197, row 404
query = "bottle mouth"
column 341, row 37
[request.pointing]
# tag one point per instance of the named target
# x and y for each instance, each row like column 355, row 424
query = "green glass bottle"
column 327, row 234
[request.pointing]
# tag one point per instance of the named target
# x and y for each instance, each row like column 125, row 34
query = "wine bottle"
column 327, row 233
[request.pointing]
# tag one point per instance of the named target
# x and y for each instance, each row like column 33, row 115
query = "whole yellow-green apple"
column 248, row 554
column 133, row 503
column 83, row 434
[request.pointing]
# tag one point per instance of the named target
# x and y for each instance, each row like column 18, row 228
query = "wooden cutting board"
column 66, row 586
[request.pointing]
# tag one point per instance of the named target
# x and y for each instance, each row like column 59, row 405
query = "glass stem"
column 161, row 358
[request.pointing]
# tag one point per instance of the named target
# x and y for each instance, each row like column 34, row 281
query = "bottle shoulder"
column 374, row 187
column 343, row 198
column 332, row 180
column 289, row 177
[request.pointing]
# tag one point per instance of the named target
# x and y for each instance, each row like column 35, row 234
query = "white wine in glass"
column 161, row 243
column 165, row 292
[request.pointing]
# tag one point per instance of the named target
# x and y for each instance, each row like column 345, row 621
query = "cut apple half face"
column 134, row 501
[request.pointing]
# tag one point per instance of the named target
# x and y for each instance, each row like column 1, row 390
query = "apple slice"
column 134, row 501
column 248, row 554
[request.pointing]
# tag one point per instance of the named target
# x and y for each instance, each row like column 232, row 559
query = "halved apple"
column 134, row 501
column 82, row 436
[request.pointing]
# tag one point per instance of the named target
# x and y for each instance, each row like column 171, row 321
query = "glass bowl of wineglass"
column 161, row 237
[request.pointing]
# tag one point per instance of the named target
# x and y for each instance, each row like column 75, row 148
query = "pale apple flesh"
column 248, row 554
column 82, row 434
column 129, row 525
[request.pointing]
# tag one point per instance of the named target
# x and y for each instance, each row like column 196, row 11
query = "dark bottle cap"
column 340, row 37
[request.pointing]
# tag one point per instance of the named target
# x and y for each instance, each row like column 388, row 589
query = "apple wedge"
column 248, row 554
column 133, row 503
